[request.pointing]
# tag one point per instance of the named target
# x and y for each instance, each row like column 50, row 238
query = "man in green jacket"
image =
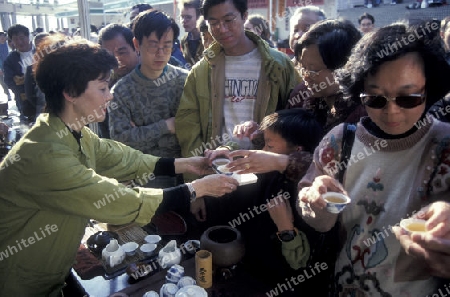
column 239, row 80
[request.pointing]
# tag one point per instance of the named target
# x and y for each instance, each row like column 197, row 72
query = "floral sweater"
column 388, row 180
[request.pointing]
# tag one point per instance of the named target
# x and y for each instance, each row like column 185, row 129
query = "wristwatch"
column 287, row 235
column 192, row 191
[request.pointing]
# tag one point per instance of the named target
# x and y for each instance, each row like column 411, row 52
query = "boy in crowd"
column 146, row 100
column 267, row 206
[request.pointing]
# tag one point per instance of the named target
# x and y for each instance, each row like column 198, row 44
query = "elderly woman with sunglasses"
column 323, row 49
column 396, row 169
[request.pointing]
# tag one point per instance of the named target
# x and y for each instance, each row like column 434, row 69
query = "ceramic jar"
column 225, row 244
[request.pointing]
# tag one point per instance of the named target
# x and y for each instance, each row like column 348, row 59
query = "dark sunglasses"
column 406, row 101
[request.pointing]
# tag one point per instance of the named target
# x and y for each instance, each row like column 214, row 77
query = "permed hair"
column 385, row 45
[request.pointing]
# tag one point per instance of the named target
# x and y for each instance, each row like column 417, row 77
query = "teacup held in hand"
column 413, row 225
column 336, row 202
column 220, row 166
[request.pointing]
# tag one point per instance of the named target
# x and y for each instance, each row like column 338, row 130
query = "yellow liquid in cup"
column 416, row 227
column 334, row 199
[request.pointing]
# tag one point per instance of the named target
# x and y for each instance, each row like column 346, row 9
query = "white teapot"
column 169, row 255
column 113, row 254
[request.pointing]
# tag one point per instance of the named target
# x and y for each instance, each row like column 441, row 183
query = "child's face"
column 274, row 143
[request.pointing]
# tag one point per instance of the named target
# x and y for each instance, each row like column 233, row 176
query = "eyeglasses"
column 379, row 101
column 153, row 48
column 228, row 22
column 186, row 17
column 312, row 74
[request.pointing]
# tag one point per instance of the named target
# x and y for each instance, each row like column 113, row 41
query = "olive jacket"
column 51, row 184
column 199, row 119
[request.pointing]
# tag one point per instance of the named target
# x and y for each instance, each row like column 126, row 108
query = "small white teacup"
column 130, row 248
column 220, row 166
column 413, row 225
column 148, row 248
column 336, row 202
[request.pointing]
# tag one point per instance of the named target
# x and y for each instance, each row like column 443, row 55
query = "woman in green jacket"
column 61, row 174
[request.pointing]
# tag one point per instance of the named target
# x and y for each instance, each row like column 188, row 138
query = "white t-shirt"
column 241, row 84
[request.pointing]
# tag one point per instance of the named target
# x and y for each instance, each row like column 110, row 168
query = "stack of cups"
column 175, row 273
column 203, row 268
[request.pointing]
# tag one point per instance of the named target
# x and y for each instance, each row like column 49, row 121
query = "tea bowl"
column 130, row 248
column 220, row 166
column 152, row 238
column 148, row 248
column 413, row 225
column 336, row 202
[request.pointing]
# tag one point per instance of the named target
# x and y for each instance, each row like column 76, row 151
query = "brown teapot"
column 225, row 244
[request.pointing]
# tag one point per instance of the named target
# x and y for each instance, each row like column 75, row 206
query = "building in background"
column 64, row 15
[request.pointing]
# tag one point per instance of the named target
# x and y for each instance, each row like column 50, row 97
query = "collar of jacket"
column 215, row 50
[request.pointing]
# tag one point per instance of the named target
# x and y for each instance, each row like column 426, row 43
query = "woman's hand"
column 214, row 185
column 245, row 130
column 433, row 246
column 281, row 213
column 195, row 165
column 311, row 204
column 213, row 154
column 256, row 161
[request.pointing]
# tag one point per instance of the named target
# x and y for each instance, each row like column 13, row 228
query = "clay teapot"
column 225, row 244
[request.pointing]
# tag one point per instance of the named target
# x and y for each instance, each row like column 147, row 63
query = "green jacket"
column 48, row 179
column 198, row 122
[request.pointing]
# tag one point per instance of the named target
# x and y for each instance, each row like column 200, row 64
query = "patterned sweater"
column 388, row 180
column 147, row 103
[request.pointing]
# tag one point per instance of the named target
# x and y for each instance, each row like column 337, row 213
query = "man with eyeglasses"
column 142, row 112
column 239, row 81
column 191, row 43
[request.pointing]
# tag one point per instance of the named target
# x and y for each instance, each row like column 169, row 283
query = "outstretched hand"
column 257, row 161
column 311, row 204
column 433, row 246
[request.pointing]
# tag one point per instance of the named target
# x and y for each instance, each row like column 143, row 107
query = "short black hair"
column 142, row 7
column 2, row 33
column 202, row 25
column 111, row 31
column 154, row 20
column 297, row 126
column 366, row 16
column 334, row 38
column 17, row 29
column 241, row 6
column 192, row 4
column 384, row 45
column 68, row 67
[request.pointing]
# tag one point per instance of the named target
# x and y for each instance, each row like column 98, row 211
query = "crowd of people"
column 353, row 111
